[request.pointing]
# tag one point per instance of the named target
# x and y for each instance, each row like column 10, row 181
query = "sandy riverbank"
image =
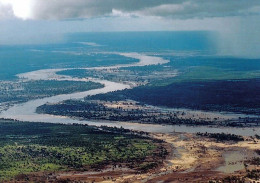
column 191, row 159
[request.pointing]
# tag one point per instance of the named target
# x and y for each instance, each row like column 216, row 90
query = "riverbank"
column 191, row 158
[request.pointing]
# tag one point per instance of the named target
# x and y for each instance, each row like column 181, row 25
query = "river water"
column 26, row 111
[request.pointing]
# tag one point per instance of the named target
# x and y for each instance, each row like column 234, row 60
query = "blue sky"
column 45, row 21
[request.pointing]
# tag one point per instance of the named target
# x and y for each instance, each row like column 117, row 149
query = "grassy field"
column 38, row 147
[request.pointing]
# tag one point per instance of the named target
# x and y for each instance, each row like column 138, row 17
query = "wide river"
column 26, row 111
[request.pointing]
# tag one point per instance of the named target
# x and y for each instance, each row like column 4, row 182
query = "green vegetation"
column 232, row 179
column 24, row 91
column 224, row 95
column 255, row 161
column 253, row 174
column 93, row 110
column 21, row 59
column 201, row 68
column 37, row 147
column 80, row 73
column 222, row 136
column 206, row 73
column 53, row 87
column 257, row 151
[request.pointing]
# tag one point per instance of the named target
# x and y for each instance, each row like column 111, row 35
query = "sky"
column 45, row 21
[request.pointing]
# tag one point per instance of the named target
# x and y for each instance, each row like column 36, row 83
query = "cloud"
column 5, row 10
column 204, row 9
column 237, row 21
column 74, row 9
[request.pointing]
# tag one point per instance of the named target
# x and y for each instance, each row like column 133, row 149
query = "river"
column 26, row 111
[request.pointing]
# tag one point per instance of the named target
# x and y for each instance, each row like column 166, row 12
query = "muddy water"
column 234, row 161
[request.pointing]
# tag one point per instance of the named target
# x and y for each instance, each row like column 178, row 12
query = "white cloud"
column 236, row 20
column 5, row 10
column 73, row 9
